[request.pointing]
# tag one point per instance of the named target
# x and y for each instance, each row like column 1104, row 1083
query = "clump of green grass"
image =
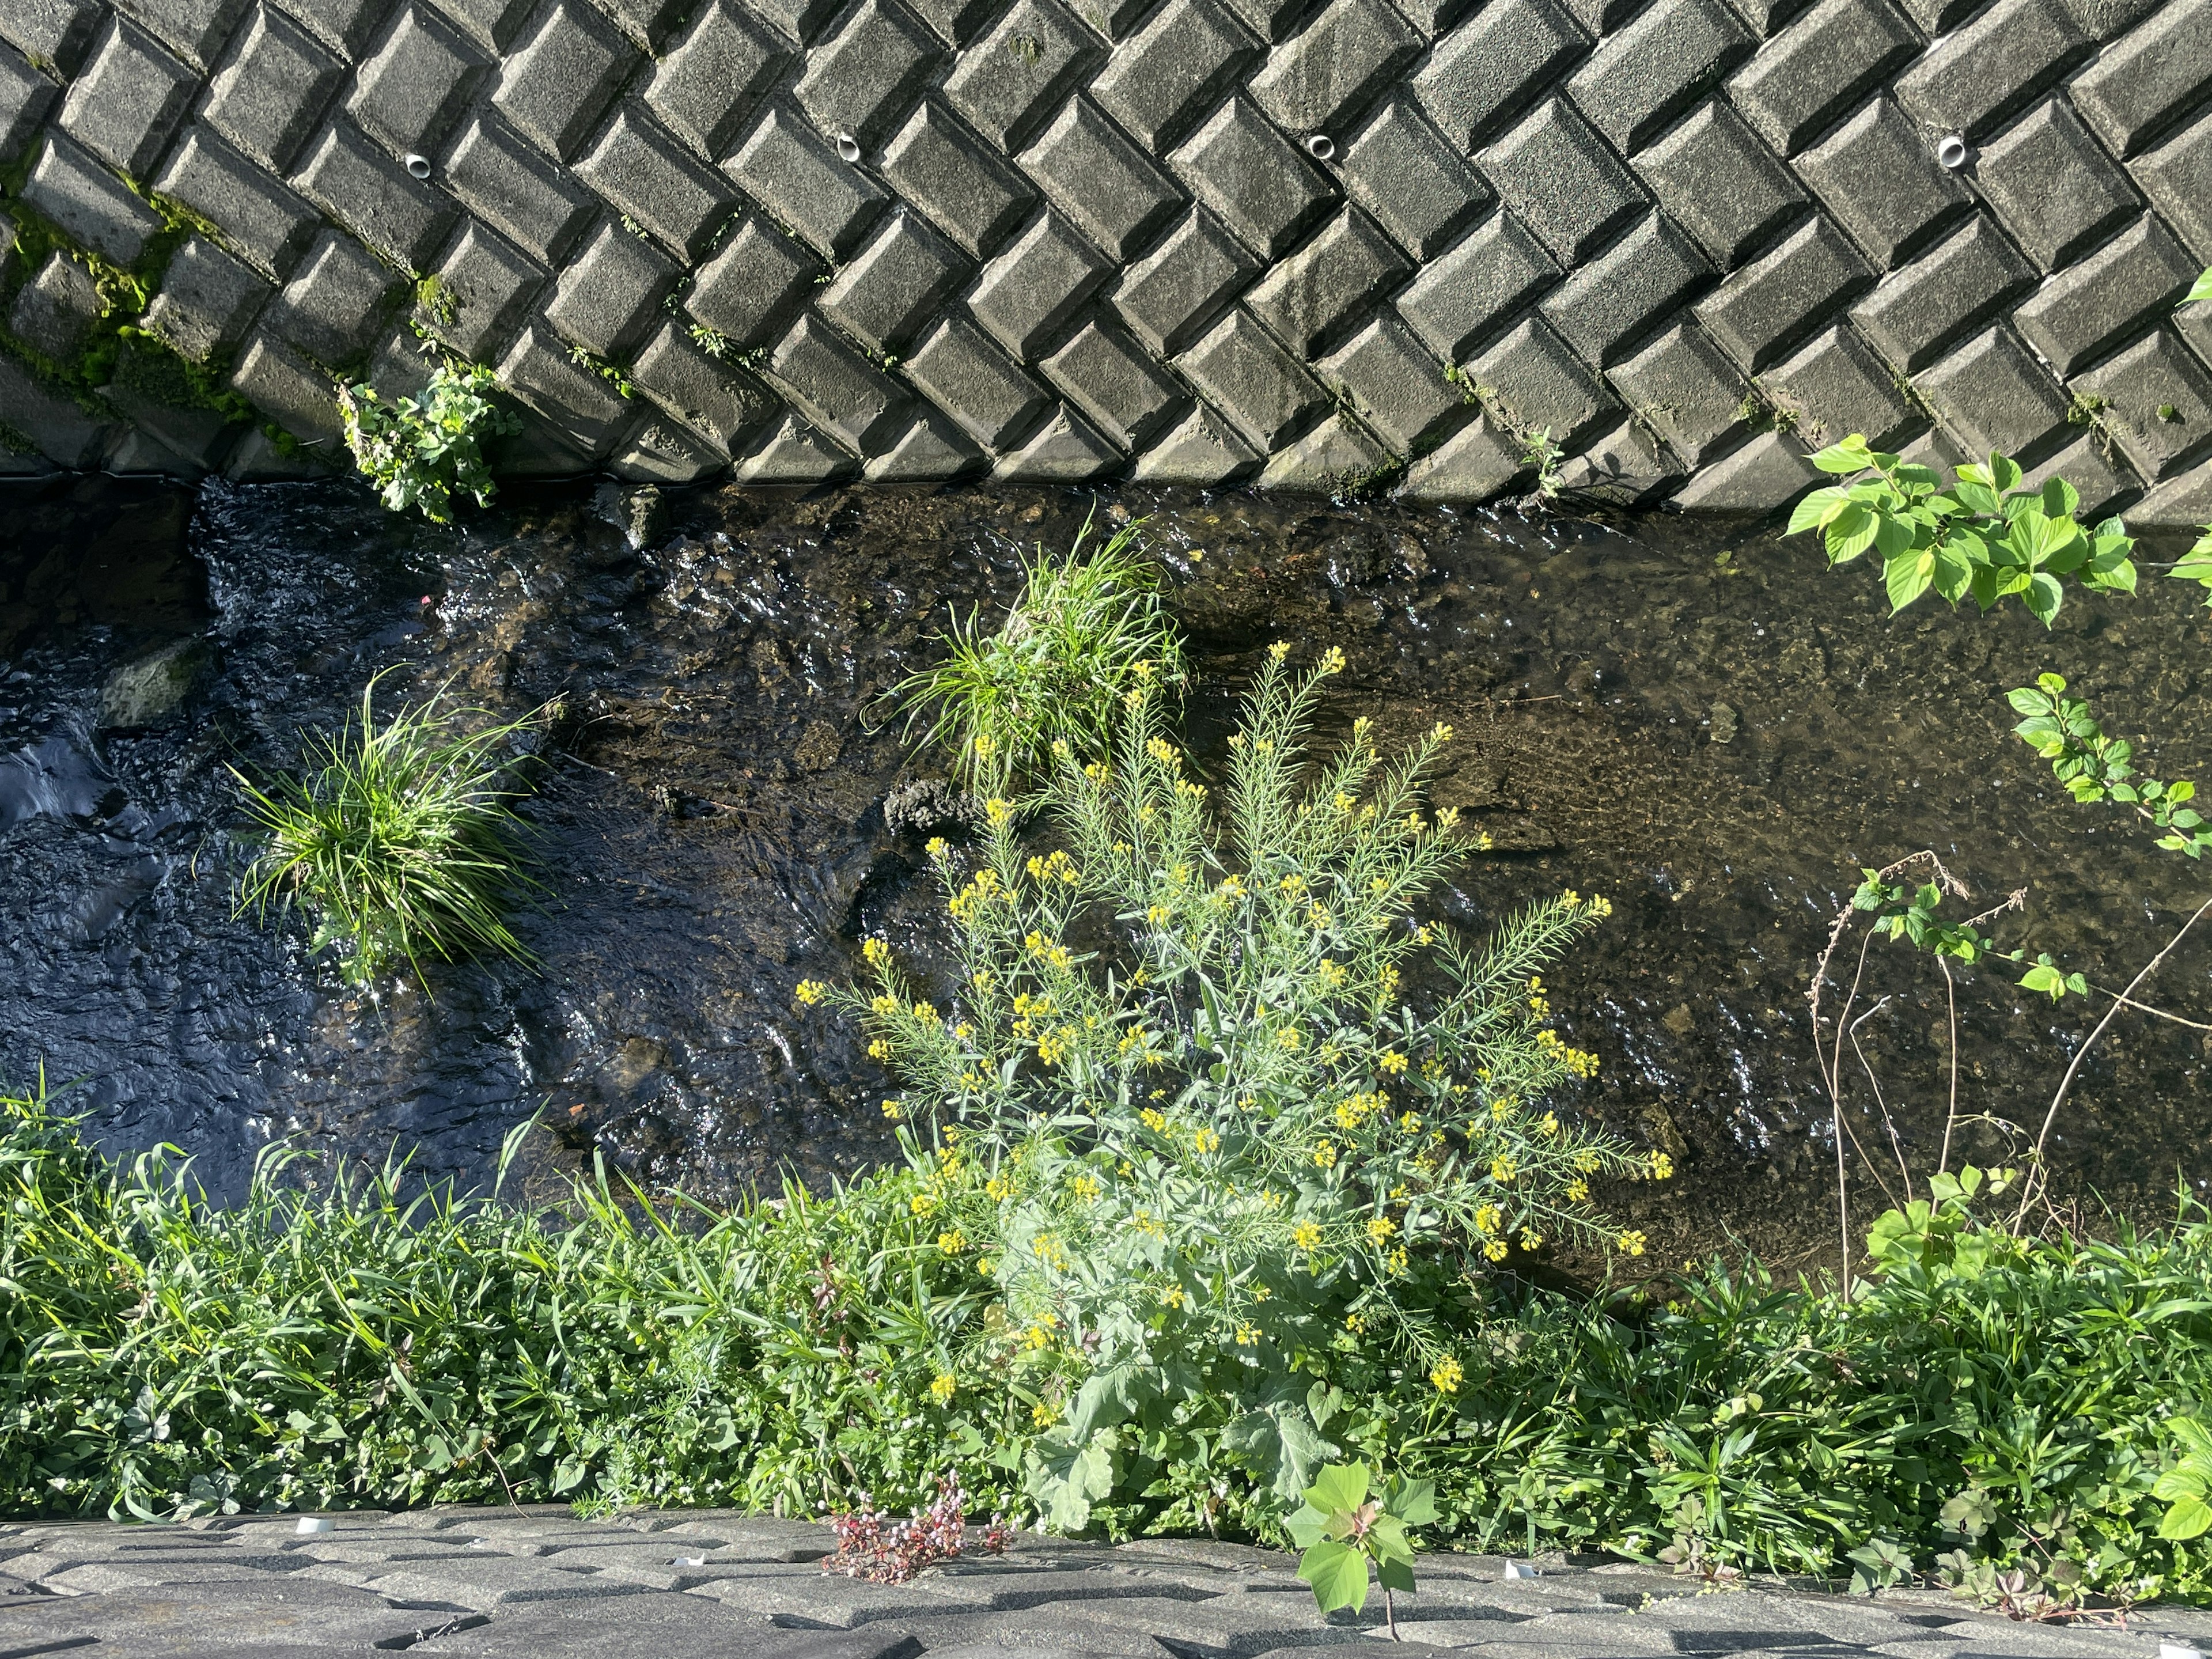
column 397, row 838
column 1068, row 649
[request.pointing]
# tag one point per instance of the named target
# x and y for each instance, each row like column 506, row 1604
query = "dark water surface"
column 1692, row 718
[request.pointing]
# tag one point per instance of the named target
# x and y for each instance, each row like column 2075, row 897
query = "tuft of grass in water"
column 397, row 837
column 1054, row 669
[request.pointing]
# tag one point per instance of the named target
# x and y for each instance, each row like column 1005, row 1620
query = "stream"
column 1695, row 718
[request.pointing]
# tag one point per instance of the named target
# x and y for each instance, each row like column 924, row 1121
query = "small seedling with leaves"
column 1342, row 1529
column 2096, row 767
column 1985, row 536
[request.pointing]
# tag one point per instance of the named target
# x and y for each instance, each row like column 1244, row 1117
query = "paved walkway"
column 688, row 1585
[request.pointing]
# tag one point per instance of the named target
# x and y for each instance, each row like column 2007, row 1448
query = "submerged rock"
column 148, row 689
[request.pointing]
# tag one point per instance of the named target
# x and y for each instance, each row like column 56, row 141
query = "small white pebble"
column 309, row 1523
column 1520, row 1570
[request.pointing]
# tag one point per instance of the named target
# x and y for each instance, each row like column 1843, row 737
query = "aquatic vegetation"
column 397, row 838
column 1983, row 1406
column 1223, row 1134
column 418, row 454
column 1054, row 669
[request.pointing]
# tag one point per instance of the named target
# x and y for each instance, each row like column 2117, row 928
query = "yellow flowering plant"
column 1221, row 1119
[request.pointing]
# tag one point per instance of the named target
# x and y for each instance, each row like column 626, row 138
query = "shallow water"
column 1694, row 718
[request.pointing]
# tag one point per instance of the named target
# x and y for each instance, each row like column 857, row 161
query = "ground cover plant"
column 419, row 454
column 397, row 837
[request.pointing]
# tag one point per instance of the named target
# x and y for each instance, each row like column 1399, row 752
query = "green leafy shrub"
column 1053, row 670
column 397, row 838
column 1226, row 1137
column 417, row 454
column 1341, row 1532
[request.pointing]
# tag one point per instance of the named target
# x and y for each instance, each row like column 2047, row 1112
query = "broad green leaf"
column 2202, row 294
column 1338, row 1487
column 1397, row 1576
column 1338, row 1574
column 2060, row 498
column 2027, row 700
column 1849, row 456
column 2004, row 471
column 2190, row 1517
column 1908, row 577
column 1850, row 531
column 1892, row 535
column 1816, row 509
column 1307, row 1526
column 1955, row 572
column 2043, row 597
column 1413, row 1502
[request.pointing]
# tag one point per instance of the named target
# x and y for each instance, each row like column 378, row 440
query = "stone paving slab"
column 537, row 1581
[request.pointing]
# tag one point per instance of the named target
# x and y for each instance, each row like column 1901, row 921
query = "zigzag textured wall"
column 1176, row 240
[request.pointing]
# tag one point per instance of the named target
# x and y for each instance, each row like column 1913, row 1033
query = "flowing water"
column 1694, row 718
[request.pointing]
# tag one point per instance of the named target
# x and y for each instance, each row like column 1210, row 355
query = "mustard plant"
column 417, row 454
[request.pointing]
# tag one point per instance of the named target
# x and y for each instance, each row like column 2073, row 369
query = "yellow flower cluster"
column 1502, row 1167
column 1324, row 1156
column 810, row 991
column 1052, row 1047
column 875, row 952
column 1306, row 1235
column 1631, row 1244
column 1580, row 1061
column 1488, row 1217
column 1154, row 1120
column 1059, row 867
column 1447, row 1377
column 952, row 1242
column 1205, row 1141
column 1086, row 1189
column 943, row 1387
column 1391, row 1061
column 1663, row 1167
column 1048, row 1250
column 981, row 888
column 894, row 1110
column 880, row 1049
column 1380, row 1229
column 1050, row 952
column 1247, row 1334
column 1356, row 1109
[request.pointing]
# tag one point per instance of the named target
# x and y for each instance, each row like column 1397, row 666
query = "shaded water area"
column 1694, row 718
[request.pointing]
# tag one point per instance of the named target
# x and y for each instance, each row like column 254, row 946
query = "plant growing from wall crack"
column 418, row 454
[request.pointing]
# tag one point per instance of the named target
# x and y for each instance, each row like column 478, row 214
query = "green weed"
column 418, row 454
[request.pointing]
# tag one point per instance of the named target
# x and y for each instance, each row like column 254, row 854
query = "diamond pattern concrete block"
column 2131, row 93
column 1719, row 183
column 287, row 390
column 1917, row 312
column 557, row 87
column 1112, row 18
column 1621, row 468
column 2181, row 503
column 488, row 287
column 955, row 20
column 1765, row 308
column 648, row 176
column 1878, row 175
column 332, row 310
column 125, row 107
column 1977, row 75
column 1686, row 390
column 649, row 22
column 1649, row 273
column 1474, row 466
column 2052, row 186
column 258, row 217
column 53, row 309
column 1104, row 374
column 1486, row 70
column 1835, row 387
column 609, row 293
column 57, row 32
column 1252, row 380
column 1017, row 75
column 2104, row 479
column 63, row 434
column 1202, row 451
column 25, row 96
column 1173, row 71
column 1467, row 294
column 1334, row 66
column 1336, row 452
column 194, row 29
column 1028, row 290
column 1253, row 182
column 369, row 193
column 1766, row 474
column 269, row 97
column 837, row 388
column 663, row 452
column 86, row 200
column 968, row 192
column 206, row 303
column 1396, row 386
column 794, row 453
column 494, row 24
column 1065, row 451
column 709, row 397
column 2139, row 274
column 411, row 94
column 755, row 285
column 863, row 79
column 1659, row 65
column 1174, row 294
column 1403, row 172
column 1819, row 66
column 1539, row 383
column 960, row 371
column 2178, row 177
column 1992, row 394
column 1313, row 298
column 793, row 173
column 892, row 288
column 1561, row 181
column 2158, row 404
column 931, row 449
column 707, row 88
column 507, row 184
column 583, row 408
column 1108, row 187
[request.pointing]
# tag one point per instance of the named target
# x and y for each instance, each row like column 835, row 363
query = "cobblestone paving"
column 1181, row 240
column 687, row 1585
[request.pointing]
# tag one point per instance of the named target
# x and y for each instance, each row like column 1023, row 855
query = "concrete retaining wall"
column 1300, row 241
